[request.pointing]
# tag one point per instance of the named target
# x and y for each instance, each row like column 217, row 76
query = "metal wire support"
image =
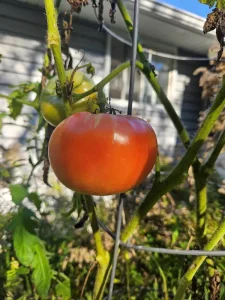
column 129, row 112
column 215, row 253
column 134, row 55
column 116, row 246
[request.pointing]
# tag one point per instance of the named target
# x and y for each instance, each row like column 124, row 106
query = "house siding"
column 187, row 92
column 22, row 43
column 187, row 96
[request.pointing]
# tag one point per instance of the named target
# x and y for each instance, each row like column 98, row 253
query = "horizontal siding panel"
column 19, row 67
column 22, row 54
column 188, row 108
column 9, row 38
column 188, row 93
column 8, row 78
column 22, row 29
column 26, row 13
column 87, row 45
column 21, row 11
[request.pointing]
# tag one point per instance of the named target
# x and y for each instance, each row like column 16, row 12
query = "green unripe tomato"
column 52, row 105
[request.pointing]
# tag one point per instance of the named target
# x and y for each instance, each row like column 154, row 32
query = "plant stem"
column 209, row 165
column 33, row 104
column 149, row 73
column 162, row 274
column 187, row 278
column 201, row 175
column 54, row 42
column 201, row 208
column 106, row 80
column 178, row 174
column 127, row 271
column 102, row 256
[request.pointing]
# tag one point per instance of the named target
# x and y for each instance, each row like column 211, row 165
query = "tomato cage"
column 116, row 236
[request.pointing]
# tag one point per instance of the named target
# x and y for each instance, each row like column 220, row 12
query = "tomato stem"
column 188, row 276
column 54, row 42
column 179, row 173
column 201, row 175
column 148, row 71
column 102, row 256
column 157, row 169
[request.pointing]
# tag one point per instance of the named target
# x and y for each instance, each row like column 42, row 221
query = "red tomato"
column 102, row 154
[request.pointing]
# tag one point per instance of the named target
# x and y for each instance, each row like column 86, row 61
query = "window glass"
column 162, row 68
column 119, row 86
column 118, row 54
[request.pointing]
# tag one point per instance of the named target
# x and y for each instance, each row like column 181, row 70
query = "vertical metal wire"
column 134, row 55
column 129, row 112
column 116, row 246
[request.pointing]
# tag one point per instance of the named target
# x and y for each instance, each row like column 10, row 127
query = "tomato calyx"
column 82, row 220
column 111, row 110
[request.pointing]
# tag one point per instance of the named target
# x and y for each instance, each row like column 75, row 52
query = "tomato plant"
column 102, row 154
column 52, row 105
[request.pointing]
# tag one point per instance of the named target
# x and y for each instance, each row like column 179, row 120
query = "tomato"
column 52, row 106
column 102, row 154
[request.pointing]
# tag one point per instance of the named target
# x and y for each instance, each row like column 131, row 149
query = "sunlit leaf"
column 2, row 115
column 33, row 197
column 23, row 271
column 15, row 107
column 23, row 241
column 63, row 290
column 42, row 273
column 18, row 193
column 211, row 3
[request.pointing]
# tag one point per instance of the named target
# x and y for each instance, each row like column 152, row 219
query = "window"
column 163, row 66
column 143, row 92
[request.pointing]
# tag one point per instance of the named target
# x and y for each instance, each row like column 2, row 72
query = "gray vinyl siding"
column 187, row 96
column 22, row 43
column 188, row 92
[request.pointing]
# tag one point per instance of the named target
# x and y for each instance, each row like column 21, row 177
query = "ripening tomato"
column 52, row 106
column 102, row 154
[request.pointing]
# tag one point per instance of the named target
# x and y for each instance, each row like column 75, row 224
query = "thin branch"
column 102, row 256
column 187, row 278
column 54, row 42
column 179, row 173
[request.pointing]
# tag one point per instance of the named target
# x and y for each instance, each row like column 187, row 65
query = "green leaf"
column 2, row 115
column 63, row 290
column 18, row 193
column 23, row 241
column 4, row 173
column 77, row 205
column 42, row 272
column 23, row 271
column 15, row 107
column 211, row 3
column 33, row 197
column 30, row 251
